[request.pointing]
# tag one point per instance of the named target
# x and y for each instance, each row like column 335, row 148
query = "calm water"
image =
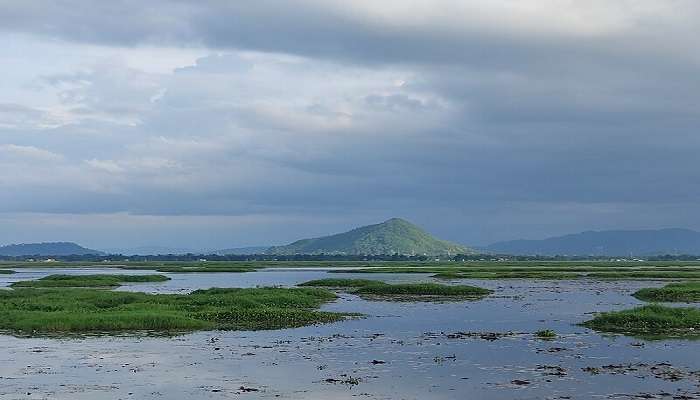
column 400, row 351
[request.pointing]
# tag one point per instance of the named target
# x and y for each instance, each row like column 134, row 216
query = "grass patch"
column 507, row 275
column 192, row 268
column 546, row 334
column 660, row 274
column 424, row 289
column 6, row 271
column 30, row 311
column 203, row 269
column 368, row 287
column 673, row 292
column 651, row 319
column 495, row 271
column 54, row 281
column 342, row 283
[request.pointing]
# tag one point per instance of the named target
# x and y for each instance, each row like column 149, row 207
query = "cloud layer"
column 256, row 123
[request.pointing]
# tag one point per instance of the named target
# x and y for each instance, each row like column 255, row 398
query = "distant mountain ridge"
column 389, row 237
column 177, row 251
column 607, row 243
column 46, row 249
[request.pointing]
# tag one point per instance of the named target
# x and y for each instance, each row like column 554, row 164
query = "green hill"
column 45, row 249
column 393, row 236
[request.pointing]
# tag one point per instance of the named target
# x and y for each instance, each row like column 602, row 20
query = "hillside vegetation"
column 46, row 249
column 393, row 236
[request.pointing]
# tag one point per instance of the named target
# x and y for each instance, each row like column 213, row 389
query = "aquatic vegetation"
column 30, row 311
column 379, row 288
column 342, row 283
column 673, row 292
column 507, row 275
column 546, row 334
column 448, row 275
column 651, row 319
column 191, row 267
column 660, row 274
column 591, row 269
column 203, row 269
column 87, row 281
column 495, row 270
column 424, row 289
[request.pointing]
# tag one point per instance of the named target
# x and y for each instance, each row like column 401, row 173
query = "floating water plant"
column 652, row 319
column 31, row 311
column 673, row 292
column 52, row 281
column 379, row 288
column 546, row 334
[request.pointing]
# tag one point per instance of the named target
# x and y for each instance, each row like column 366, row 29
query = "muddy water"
column 464, row 350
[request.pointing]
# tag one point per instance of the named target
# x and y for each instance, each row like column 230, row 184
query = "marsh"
column 412, row 350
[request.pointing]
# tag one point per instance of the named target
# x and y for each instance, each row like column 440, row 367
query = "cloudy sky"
column 220, row 124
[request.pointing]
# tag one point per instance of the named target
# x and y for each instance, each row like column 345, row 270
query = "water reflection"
column 482, row 350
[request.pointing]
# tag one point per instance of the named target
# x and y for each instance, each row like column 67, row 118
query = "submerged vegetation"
column 30, row 311
column 379, row 288
column 673, row 292
column 75, row 281
column 652, row 319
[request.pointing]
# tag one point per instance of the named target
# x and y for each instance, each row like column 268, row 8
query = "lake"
column 483, row 349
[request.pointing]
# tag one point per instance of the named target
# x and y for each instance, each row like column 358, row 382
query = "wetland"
column 521, row 338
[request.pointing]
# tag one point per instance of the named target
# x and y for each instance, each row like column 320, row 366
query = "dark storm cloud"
column 513, row 124
column 358, row 32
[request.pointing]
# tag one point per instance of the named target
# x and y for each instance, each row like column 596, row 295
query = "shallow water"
column 415, row 351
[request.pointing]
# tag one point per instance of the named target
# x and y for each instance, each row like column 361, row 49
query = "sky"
column 218, row 124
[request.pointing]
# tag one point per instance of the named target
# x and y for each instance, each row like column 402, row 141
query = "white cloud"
column 105, row 165
column 28, row 153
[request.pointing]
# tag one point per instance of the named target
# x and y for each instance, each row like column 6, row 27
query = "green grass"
column 30, row 311
column 203, row 269
column 546, row 334
column 6, row 271
column 620, row 270
column 507, row 275
column 378, row 288
column 424, row 289
column 645, row 275
column 52, row 281
column 342, row 283
column 651, row 319
column 495, row 271
column 673, row 292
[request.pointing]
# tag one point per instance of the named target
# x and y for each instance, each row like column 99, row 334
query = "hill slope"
column 393, row 236
column 45, row 249
column 613, row 243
